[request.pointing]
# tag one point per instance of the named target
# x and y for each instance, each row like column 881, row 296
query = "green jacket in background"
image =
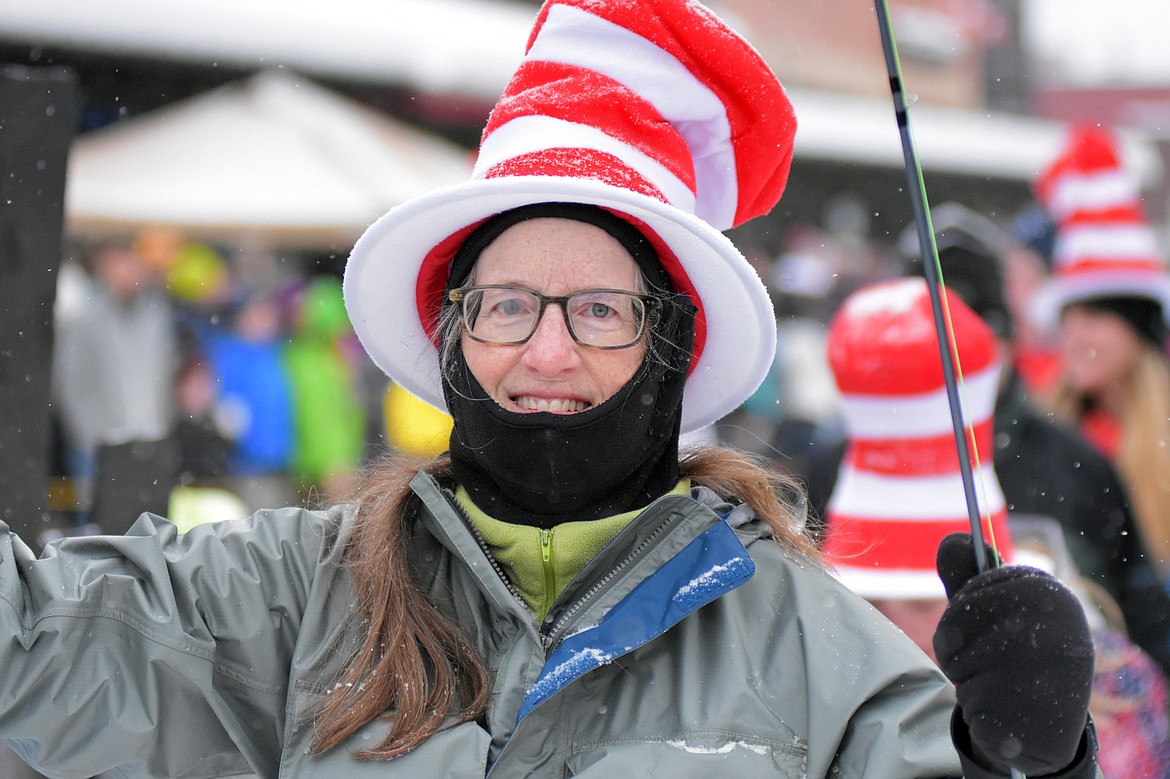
column 328, row 415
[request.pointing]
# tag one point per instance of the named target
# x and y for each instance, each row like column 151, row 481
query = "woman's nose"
column 551, row 349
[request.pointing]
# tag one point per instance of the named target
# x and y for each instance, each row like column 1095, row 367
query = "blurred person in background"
column 199, row 282
column 328, row 413
column 1026, row 264
column 234, row 312
column 116, row 354
column 204, row 446
column 1108, row 298
column 899, row 490
column 247, row 357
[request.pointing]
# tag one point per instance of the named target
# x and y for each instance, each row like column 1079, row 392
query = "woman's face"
column 550, row 371
column 1098, row 348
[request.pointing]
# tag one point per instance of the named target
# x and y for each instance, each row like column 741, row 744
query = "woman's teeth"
column 555, row 405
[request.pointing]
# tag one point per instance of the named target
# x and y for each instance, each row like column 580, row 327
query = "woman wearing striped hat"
column 1108, row 299
column 561, row 593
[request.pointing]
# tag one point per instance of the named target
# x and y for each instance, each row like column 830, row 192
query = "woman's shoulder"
column 800, row 589
column 294, row 541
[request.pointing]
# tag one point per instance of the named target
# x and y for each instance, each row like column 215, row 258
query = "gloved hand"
column 1017, row 646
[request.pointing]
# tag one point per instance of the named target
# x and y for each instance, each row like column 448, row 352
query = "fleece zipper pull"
column 550, row 579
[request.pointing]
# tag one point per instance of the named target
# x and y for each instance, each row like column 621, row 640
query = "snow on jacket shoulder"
column 687, row 647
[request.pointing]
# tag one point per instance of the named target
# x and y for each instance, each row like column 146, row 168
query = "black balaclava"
column 542, row 469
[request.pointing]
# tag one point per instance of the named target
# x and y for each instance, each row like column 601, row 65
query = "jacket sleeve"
column 167, row 654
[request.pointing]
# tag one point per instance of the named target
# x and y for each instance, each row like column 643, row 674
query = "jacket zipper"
column 553, row 630
column 550, row 581
column 479, row 539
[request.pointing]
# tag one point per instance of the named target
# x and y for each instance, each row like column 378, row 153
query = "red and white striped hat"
column 653, row 109
column 1104, row 245
column 899, row 491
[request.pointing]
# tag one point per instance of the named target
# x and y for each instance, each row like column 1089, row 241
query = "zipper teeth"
column 546, row 537
column 559, row 624
column 499, row 569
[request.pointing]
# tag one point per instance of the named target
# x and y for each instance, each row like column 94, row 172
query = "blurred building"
column 439, row 64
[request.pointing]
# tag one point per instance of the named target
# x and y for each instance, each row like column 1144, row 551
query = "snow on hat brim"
column 384, row 305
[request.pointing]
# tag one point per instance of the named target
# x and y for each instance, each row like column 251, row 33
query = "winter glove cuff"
column 1084, row 765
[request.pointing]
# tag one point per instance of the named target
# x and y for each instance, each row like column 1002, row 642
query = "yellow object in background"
column 414, row 427
column 191, row 506
column 198, row 273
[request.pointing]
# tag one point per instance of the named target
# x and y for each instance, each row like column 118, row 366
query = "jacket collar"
column 656, row 535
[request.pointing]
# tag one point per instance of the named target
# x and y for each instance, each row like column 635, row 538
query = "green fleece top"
column 541, row 563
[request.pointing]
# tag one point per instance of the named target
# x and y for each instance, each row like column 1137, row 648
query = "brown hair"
column 434, row 671
column 415, row 663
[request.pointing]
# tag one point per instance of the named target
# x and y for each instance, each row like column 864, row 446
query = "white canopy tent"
column 274, row 154
column 226, row 159
column 281, row 156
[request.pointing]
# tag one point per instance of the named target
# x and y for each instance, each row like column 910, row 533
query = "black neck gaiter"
column 542, row 469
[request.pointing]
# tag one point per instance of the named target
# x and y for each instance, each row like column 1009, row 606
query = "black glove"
column 1017, row 646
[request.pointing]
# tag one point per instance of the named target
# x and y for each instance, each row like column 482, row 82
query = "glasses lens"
column 606, row 319
column 500, row 315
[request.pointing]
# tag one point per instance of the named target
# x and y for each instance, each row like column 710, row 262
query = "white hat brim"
column 382, row 271
column 1050, row 298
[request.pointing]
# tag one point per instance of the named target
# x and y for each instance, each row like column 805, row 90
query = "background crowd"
column 224, row 377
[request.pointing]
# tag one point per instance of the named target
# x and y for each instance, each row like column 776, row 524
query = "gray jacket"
column 692, row 645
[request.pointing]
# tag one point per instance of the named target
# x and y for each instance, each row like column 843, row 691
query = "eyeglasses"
column 597, row 318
